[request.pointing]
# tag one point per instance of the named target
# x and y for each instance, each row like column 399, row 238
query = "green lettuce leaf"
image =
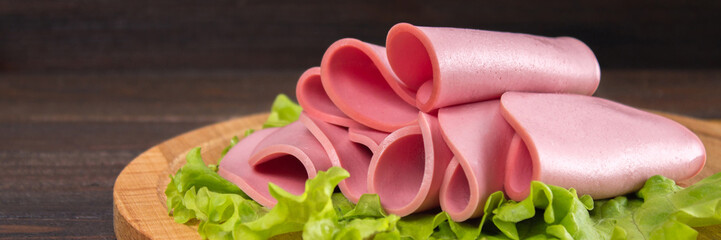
column 364, row 228
column 364, row 220
column 315, row 214
column 198, row 192
column 367, row 219
column 283, row 112
column 423, row 225
column 292, row 212
column 341, row 204
column 220, row 212
column 369, row 206
column 661, row 210
column 548, row 212
column 195, row 175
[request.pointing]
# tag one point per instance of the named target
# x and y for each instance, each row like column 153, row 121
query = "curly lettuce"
column 283, row 112
column 660, row 210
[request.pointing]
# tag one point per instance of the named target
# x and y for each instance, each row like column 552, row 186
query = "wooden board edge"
column 153, row 164
column 122, row 228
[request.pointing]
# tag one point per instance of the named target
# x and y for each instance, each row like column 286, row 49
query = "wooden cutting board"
column 139, row 200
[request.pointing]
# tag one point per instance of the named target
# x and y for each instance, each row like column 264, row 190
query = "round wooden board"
column 139, row 201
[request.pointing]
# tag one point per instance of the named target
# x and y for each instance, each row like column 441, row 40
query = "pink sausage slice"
column 408, row 170
column 479, row 137
column 599, row 147
column 316, row 103
column 254, row 182
column 287, row 157
column 293, row 140
column 342, row 152
column 366, row 136
column 449, row 66
column 357, row 78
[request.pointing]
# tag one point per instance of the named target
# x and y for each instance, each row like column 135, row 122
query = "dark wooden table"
column 65, row 137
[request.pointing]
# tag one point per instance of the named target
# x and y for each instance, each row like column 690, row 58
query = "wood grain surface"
column 139, row 201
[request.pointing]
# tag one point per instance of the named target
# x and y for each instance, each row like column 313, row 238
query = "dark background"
column 85, row 86
column 101, row 35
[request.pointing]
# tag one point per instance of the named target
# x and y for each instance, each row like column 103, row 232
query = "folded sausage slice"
column 285, row 156
column 344, row 153
column 479, row 137
column 599, row 147
column 449, row 66
column 366, row 136
column 357, row 78
column 316, row 103
column 408, row 170
column 254, row 182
